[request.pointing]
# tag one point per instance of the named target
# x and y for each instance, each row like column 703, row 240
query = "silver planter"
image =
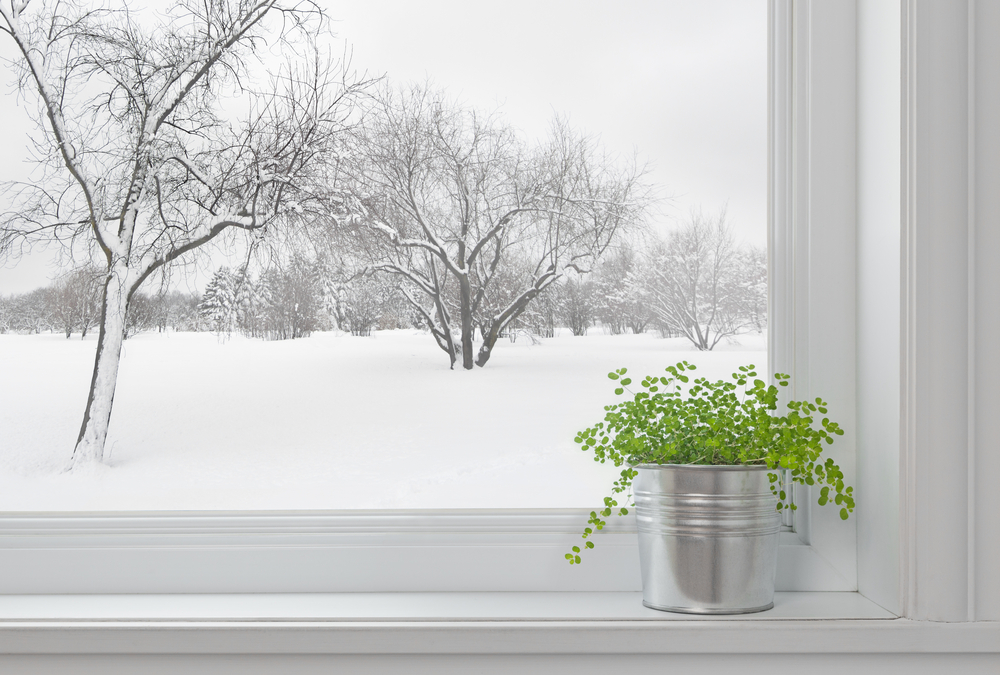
column 708, row 538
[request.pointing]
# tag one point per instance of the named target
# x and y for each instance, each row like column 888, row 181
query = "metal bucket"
column 708, row 538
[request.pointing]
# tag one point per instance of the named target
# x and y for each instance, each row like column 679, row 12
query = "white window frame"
column 884, row 297
column 522, row 550
column 882, row 216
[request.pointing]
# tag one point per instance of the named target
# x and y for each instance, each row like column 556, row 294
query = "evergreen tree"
column 218, row 306
column 248, row 303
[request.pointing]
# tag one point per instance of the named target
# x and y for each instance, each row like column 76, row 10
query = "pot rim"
column 706, row 467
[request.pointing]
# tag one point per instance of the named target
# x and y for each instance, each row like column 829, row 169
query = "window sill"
column 340, row 552
column 461, row 623
column 411, row 607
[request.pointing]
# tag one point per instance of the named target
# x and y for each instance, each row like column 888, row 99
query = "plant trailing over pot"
column 723, row 423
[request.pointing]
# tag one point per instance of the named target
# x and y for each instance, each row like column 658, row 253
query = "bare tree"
column 576, row 304
column 145, row 160
column 141, row 315
column 31, row 312
column 292, row 299
column 620, row 297
column 458, row 201
column 752, row 285
column 76, row 300
column 367, row 302
column 540, row 317
column 175, row 309
column 6, row 313
column 695, row 282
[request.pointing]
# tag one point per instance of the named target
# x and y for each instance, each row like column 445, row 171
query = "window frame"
column 811, row 63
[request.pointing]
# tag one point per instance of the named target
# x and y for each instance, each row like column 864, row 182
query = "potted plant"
column 702, row 467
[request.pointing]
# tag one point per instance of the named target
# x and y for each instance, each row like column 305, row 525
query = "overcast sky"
column 681, row 82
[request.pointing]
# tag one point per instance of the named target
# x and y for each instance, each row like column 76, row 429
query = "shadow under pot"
column 708, row 538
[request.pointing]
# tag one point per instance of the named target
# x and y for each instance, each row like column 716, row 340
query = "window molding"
column 949, row 294
column 812, row 238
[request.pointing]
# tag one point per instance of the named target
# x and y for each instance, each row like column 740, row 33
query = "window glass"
column 303, row 372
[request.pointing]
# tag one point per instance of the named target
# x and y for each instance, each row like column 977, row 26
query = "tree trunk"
column 503, row 321
column 490, row 337
column 97, row 416
column 702, row 343
column 485, row 352
column 468, row 330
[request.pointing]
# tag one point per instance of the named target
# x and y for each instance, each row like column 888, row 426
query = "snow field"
column 328, row 422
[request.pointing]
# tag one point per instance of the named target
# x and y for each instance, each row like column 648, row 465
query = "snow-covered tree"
column 752, row 285
column 365, row 302
column 621, row 301
column 695, row 282
column 540, row 318
column 218, row 305
column 6, row 313
column 62, row 307
column 456, row 199
column 76, row 300
column 31, row 312
column 141, row 314
column 293, row 300
column 145, row 159
column 248, row 303
column 175, row 309
column 576, row 308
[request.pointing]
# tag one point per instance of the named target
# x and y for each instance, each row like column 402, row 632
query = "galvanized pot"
column 708, row 538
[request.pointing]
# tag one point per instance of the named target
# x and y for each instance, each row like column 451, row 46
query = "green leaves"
column 674, row 420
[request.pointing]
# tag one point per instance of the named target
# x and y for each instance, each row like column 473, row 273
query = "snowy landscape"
column 332, row 421
column 341, row 256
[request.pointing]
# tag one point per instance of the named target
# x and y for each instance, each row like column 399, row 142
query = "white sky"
column 683, row 82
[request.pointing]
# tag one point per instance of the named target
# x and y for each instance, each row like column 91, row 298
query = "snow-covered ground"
column 328, row 422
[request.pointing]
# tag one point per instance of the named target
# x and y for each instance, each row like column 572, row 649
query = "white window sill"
column 393, row 607
column 341, row 552
column 461, row 623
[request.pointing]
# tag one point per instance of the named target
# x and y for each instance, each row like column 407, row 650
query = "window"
column 925, row 548
column 487, row 545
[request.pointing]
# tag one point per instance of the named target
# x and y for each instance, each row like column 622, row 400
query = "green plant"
column 725, row 422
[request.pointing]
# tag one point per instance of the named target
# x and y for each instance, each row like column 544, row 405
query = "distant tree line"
column 295, row 299
column 72, row 304
column 697, row 283
column 277, row 304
